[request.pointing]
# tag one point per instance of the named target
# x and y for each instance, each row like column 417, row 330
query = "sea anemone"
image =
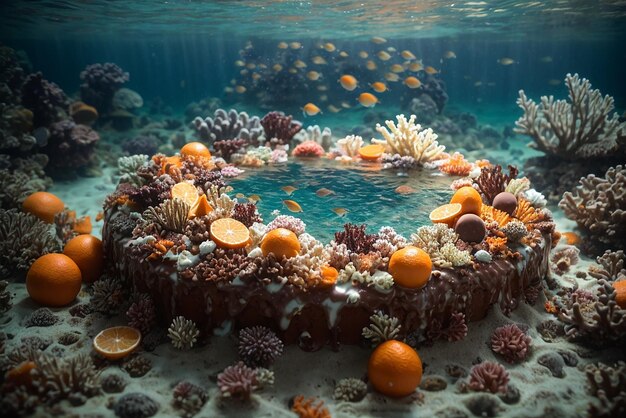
column 489, row 376
column 511, row 343
column 237, row 381
column 259, row 346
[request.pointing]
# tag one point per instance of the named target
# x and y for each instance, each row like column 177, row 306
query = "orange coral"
column 160, row 247
column 525, row 212
column 483, row 163
column 199, row 161
column 491, row 214
column 497, row 244
column 456, row 165
column 550, row 307
column 306, row 408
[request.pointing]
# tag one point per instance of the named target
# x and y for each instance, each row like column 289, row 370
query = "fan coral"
column 350, row 390
column 564, row 258
column 308, row 149
column 189, row 398
column 493, row 181
column 45, row 99
column 608, row 385
column 231, row 125
column 183, row 333
column 489, row 377
column 99, row 84
column 610, row 266
column 307, row 408
column 456, row 165
column 355, row 238
column 247, row 214
column 511, row 343
column 408, row 139
column 70, row 145
column 135, row 405
column 598, row 205
column 296, row 225
column 141, row 314
column 259, row 346
column 581, row 129
column 237, row 381
column 23, row 239
column 278, row 126
column 170, row 215
column 5, row 298
column 439, row 241
column 382, row 328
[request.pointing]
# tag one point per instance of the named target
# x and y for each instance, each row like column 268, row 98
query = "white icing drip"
column 292, row 307
column 224, row 328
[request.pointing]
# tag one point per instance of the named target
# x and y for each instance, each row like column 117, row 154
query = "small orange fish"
column 345, row 105
column 334, row 109
column 254, row 198
column 397, row 68
column 368, row 99
column 343, row 54
column 341, row 211
column 313, row 75
column 449, row 55
column 506, row 61
column 378, row 40
column 407, row 55
column 295, row 45
column 383, row 55
column 379, row 87
column 239, row 63
column 240, row 89
column 329, row 47
column 251, row 66
column 323, row 192
column 430, row 70
column 283, row 45
column 310, row 109
column 404, row 189
column 371, row 65
column 393, row 77
column 412, row 82
column 292, row 205
column 288, row 189
column 363, row 54
column 318, row 60
column 348, row 82
column 277, row 67
column 415, row 66
column 299, row 64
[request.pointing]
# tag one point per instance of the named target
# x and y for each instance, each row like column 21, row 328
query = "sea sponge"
column 135, row 405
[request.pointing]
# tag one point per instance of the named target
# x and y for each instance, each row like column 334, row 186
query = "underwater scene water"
column 312, row 208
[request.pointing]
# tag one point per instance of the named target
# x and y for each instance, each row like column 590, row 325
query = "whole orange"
column 469, row 198
column 43, row 205
column 195, row 149
column 394, row 369
column 53, row 280
column 410, row 267
column 281, row 242
column 620, row 293
column 86, row 251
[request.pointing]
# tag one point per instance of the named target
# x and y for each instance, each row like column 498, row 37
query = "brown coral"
column 493, row 181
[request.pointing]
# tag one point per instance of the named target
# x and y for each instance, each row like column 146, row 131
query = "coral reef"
column 107, row 295
column 183, row 333
column 171, row 215
column 126, row 99
column 237, row 381
column 138, row 366
column 279, row 129
column 70, row 146
column 598, row 205
column 563, row 258
column 408, row 139
column 356, row 239
column 610, row 266
column 350, row 390
column 492, row 181
column 511, row 343
column 296, row 225
column 141, row 314
column 142, row 144
column 314, row 133
column 259, row 346
column 583, row 128
column 5, row 298
column 348, row 147
column 439, row 241
column 45, row 99
column 23, row 239
column 308, row 149
column 188, row 398
column 455, row 329
column 42, row 317
column 231, row 125
column 99, row 84
column 20, row 177
column 382, row 328
column 488, row 376
column 247, row 214
column 113, row 383
column 608, row 384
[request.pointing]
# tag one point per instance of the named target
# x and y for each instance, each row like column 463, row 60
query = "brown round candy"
column 506, row 202
column 470, row 228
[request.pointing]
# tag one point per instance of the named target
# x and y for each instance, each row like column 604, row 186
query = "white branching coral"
column 183, row 333
column 382, row 328
column 389, row 241
column 223, row 206
column 349, row 146
column 409, row 139
column 315, row 133
column 439, row 242
column 128, row 166
column 581, row 128
column 350, row 390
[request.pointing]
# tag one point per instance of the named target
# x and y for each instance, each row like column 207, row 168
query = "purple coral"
column 43, row 98
column 237, row 381
column 99, row 84
column 259, row 346
column 511, row 343
column 247, row 214
column 296, row 225
column 280, row 127
column 355, row 238
column 398, row 162
column 70, row 145
column 141, row 314
column 227, row 147
column 489, row 376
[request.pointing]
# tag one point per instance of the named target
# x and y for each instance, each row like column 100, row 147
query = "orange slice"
column 201, row 208
column 446, row 214
column 371, row 152
column 229, row 233
column 186, row 192
column 116, row 342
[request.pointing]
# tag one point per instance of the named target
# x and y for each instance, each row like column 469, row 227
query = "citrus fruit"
column 329, row 275
column 53, row 280
column 469, row 198
column 186, row 192
column 86, row 251
column 446, row 214
column 571, row 238
column 281, row 242
column 410, row 267
column 116, row 342
column 371, row 152
column 195, row 149
column 229, row 233
column 394, row 369
column 620, row 293
column 83, row 225
column 43, row 205
column 201, row 208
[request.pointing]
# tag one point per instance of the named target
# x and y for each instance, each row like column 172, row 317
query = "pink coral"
column 308, row 149
column 288, row 222
column 489, row 377
column 511, row 343
column 237, row 381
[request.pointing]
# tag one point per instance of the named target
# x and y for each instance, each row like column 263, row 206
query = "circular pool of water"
column 365, row 191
